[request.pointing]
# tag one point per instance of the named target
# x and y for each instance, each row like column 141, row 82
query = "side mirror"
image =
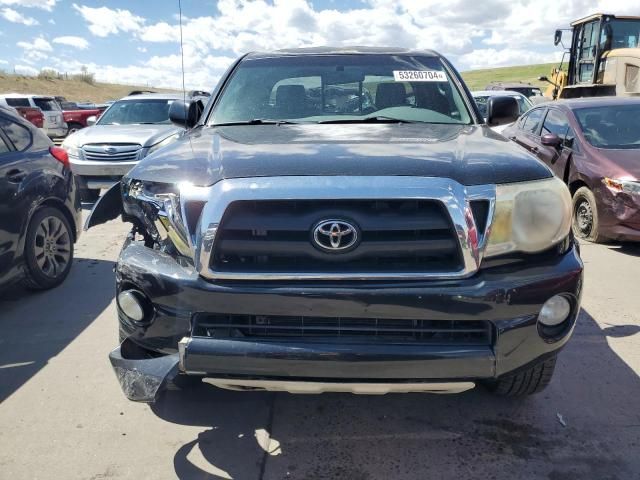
column 557, row 38
column 184, row 114
column 91, row 120
column 551, row 140
column 502, row 110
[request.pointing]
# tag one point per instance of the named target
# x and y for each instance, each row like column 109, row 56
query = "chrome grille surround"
column 455, row 197
column 112, row 152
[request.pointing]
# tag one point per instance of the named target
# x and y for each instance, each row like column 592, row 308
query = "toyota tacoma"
column 342, row 220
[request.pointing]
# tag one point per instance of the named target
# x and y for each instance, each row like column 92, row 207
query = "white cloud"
column 105, row 21
column 25, row 70
column 38, row 44
column 42, row 4
column 72, row 41
column 16, row 17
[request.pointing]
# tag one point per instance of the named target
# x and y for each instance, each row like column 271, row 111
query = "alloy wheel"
column 52, row 246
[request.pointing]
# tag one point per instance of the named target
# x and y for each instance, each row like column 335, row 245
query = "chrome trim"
column 361, row 388
column 453, row 195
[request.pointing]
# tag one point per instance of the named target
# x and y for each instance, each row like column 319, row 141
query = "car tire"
column 584, row 220
column 48, row 249
column 89, row 195
column 525, row 382
column 73, row 127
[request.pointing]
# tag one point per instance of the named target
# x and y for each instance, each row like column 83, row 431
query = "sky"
column 137, row 42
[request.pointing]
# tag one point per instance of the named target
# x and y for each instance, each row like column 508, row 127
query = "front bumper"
column 508, row 296
column 99, row 174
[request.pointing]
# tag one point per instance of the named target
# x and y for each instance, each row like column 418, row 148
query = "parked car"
column 593, row 144
column 526, row 89
column 125, row 133
column 398, row 246
column 54, row 125
column 482, row 97
column 39, row 206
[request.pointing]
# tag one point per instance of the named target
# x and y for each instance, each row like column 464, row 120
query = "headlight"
column 618, row 185
column 157, row 206
column 71, row 149
column 529, row 217
column 163, row 143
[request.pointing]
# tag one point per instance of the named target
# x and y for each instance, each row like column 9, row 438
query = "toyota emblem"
column 335, row 235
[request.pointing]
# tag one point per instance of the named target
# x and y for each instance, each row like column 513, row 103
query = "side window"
column 20, row 136
column 17, row 102
column 4, row 148
column 532, row 121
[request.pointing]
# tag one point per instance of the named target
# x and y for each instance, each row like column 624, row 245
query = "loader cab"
column 591, row 38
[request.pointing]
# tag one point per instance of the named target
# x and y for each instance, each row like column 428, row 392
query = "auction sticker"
column 419, row 76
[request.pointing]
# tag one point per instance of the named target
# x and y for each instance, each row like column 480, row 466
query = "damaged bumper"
column 141, row 375
column 167, row 344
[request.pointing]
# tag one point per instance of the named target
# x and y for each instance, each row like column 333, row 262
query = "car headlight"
column 529, row 217
column 163, row 143
column 72, row 149
column 157, row 207
column 621, row 185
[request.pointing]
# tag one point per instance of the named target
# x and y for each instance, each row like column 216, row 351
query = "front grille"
column 345, row 330
column 121, row 152
column 396, row 236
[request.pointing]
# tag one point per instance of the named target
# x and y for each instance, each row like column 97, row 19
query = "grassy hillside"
column 74, row 90
column 478, row 79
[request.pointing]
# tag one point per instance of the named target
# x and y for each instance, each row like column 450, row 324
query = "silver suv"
column 127, row 131
column 53, row 122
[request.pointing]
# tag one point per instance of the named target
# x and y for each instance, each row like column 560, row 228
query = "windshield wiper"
column 256, row 121
column 374, row 119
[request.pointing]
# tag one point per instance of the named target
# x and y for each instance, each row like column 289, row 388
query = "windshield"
column 46, row 104
column 131, row 112
column 625, row 33
column 481, row 100
column 338, row 88
column 612, row 126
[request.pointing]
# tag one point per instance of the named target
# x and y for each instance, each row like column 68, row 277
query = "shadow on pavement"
column 585, row 425
column 36, row 326
column 632, row 249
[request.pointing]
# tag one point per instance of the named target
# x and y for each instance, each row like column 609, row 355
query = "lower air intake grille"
column 346, row 330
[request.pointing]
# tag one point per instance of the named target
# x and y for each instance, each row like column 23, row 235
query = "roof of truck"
column 355, row 50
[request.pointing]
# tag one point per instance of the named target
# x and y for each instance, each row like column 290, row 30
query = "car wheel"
column 89, row 195
column 48, row 249
column 525, row 382
column 585, row 216
column 73, row 128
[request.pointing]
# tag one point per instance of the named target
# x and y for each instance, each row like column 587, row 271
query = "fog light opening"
column 554, row 311
column 130, row 302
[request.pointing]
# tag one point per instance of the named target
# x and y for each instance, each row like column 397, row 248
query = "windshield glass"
column 324, row 88
column 612, row 126
column 481, row 100
column 625, row 33
column 130, row 112
column 46, row 104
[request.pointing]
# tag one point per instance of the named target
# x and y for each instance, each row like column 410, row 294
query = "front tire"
column 48, row 249
column 73, row 128
column 525, row 382
column 585, row 223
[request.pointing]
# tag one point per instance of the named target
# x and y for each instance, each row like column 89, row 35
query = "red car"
column 593, row 144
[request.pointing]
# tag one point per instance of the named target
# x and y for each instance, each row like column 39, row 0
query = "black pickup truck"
column 342, row 220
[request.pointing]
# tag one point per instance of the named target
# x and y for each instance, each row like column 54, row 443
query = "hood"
column 622, row 163
column 145, row 135
column 469, row 154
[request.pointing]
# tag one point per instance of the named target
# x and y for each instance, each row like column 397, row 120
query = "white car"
column 54, row 125
column 481, row 98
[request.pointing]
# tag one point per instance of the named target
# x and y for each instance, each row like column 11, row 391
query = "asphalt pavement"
column 63, row 416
